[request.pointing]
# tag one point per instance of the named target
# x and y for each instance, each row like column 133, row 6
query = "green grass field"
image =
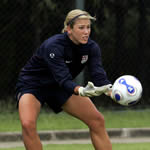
column 50, row 121
column 132, row 146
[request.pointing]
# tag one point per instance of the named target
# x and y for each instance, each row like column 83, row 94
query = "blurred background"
column 122, row 30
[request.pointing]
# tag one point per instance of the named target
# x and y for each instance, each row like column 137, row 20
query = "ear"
column 69, row 30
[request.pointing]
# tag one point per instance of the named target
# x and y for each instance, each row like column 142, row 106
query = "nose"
column 86, row 31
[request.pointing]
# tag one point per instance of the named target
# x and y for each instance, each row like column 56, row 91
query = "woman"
column 48, row 78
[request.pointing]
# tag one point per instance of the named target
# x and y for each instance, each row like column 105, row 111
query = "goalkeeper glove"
column 90, row 90
column 106, row 89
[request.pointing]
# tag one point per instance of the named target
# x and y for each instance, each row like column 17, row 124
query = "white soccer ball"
column 127, row 90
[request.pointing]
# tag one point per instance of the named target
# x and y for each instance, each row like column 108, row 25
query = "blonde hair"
column 73, row 15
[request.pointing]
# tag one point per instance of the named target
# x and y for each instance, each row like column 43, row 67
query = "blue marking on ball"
column 117, row 97
column 132, row 103
column 130, row 88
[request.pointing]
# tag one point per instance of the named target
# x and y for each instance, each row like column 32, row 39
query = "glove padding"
column 87, row 91
column 90, row 90
column 106, row 89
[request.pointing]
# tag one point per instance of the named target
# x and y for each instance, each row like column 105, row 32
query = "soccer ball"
column 127, row 90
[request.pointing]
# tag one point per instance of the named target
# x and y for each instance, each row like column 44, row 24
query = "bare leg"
column 29, row 108
column 83, row 109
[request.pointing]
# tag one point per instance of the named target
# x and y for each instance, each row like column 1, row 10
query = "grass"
column 114, row 119
column 127, row 118
column 131, row 146
column 50, row 121
column 9, row 121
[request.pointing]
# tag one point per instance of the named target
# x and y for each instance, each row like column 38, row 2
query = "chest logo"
column 84, row 59
column 52, row 55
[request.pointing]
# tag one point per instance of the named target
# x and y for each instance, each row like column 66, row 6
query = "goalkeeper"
column 48, row 78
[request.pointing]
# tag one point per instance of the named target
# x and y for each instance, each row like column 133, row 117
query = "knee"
column 28, row 127
column 98, row 122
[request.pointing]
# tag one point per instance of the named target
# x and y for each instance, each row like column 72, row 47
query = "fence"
column 122, row 30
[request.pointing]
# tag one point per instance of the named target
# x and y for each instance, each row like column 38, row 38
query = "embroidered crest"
column 84, row 59
column 68, row 61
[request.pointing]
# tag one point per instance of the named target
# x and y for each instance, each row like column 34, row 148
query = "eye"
column 88, row 27
column 81, row 27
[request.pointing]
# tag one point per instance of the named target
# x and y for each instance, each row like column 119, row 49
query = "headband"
column 70, row 21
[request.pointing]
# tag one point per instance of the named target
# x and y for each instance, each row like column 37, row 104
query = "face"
column 80, row 32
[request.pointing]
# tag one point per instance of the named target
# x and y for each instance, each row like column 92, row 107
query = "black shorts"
column 55, row 97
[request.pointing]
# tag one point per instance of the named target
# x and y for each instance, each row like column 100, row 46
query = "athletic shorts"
column 55, row 96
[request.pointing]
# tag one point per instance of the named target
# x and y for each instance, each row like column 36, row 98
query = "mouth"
column 85, row 38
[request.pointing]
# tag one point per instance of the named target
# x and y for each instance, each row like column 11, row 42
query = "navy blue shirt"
column 58, row 61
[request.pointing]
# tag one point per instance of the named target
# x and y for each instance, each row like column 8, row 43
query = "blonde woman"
column 48, row 78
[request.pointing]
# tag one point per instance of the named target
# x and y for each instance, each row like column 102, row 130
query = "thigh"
column 29, row 108
column 81, row 108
